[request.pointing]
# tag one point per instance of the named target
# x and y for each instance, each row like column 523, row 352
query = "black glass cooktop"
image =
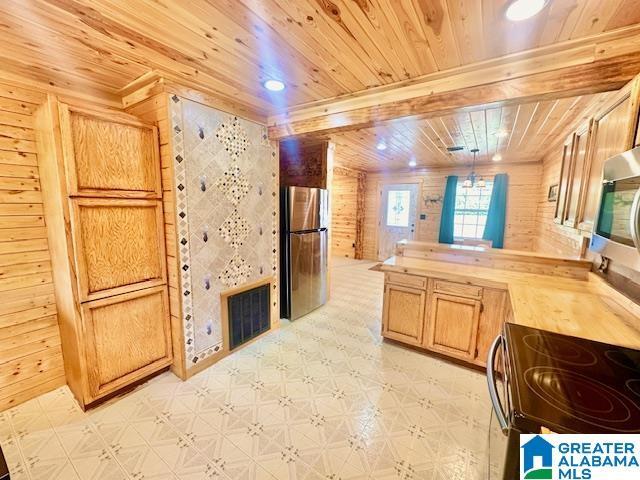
column 572, row 385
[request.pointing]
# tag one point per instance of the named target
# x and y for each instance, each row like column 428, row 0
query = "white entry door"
column 398, row 213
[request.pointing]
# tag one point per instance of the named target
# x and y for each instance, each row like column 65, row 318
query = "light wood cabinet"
column 566, row 171
column 100, row 179
column 494, row 313
column 453, row 325
column 456, row 319
column 636, row 142
column 609, row 137
column 455, row 288
column 577, row 186
column 109, row 157
column 127, row 336
column 611, row 131
column 403, row 314
column 119, row 245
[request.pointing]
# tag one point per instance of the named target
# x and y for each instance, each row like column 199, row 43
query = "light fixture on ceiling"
column 497, row 157
column 524, row 9
column 274, row 85
column 472, row 179
column 412, row 163
column 502, row 134
column 382, row 145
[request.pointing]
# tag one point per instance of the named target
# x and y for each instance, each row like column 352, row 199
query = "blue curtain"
column 448, row 210
column 494, row 229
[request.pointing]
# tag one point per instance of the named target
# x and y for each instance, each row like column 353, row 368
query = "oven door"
column 617, row 228
column 504, row 440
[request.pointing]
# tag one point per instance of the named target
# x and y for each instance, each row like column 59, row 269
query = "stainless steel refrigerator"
column 304, row 234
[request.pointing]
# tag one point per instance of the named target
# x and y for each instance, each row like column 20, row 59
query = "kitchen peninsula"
column 453, row 300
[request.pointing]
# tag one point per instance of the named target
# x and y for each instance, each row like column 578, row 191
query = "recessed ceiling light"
column 274, row 85
column 412, row 163
column 382, row 145
column 497, row 157
column 523, row 9
column 502, row 133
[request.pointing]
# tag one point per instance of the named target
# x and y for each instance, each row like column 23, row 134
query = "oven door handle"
column 493, row 391
column 634, row 220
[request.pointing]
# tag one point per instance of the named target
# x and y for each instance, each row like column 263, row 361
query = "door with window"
column 398, row 212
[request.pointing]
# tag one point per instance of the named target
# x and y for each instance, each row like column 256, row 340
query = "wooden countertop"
column 479, row 251
column 583, row 308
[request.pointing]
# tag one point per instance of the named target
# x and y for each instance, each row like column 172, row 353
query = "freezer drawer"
column 307, row 209
column 308, row 272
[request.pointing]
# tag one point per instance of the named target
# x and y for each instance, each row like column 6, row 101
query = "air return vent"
column 248, row 315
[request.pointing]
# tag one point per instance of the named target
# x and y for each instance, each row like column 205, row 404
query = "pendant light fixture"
column 472, row 179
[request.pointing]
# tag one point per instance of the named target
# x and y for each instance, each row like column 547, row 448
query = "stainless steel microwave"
column 616, row 232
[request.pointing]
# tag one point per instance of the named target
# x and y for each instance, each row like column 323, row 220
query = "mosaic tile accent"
column 182, row 231
column 226, row 197
column 233, row 137
column 233, row 184
column 236, row 272
column 234, row 230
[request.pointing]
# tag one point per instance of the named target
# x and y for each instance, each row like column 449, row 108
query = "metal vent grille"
column 248, row 315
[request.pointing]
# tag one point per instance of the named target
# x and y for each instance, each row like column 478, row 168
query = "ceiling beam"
column 603, row 63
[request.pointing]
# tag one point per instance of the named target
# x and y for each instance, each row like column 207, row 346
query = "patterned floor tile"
column 322, row 398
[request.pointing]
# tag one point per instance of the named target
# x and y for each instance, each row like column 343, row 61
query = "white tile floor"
column 321, row 398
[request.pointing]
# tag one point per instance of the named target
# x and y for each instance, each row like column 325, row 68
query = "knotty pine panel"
column 344, row 212
column 30, row 353
column 112, row 159
column 155, row 110
column 523, row 194
column 330, row 48
column 119, row 245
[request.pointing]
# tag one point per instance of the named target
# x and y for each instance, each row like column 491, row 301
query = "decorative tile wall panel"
column 226, row 177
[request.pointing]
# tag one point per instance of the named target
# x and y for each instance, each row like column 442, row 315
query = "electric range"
column 539, row 379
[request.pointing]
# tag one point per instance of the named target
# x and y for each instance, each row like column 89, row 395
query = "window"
column 472, row 206
column 398, row 206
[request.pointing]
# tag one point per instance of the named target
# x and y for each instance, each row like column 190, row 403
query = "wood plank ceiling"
column 517, row 133
column 321, row 48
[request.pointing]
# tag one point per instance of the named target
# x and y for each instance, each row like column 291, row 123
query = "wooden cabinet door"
column 126, row 338
column 113, row 156
column 453, row 325
column 635, row 111
column 566, row 171
column 577, row 182
column 609, row 138
column 403, row 315
column 492, row 317
column 119, row 245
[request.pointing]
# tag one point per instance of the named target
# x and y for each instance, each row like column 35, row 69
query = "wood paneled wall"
column 551, row 237
column 524, row 185
column 155, row 110
column 30, row 351
column 303, row 164
column 347, row 212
